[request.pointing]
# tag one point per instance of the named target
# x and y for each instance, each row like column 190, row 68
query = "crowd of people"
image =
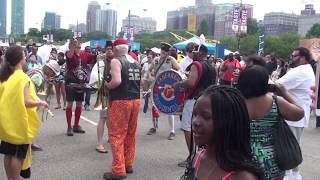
column 230, row 117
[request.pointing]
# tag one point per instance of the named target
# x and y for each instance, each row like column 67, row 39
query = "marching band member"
column 105, row 93
column 75, row 59
column 201, row 75
column 19, row 123
column 123, row 83
column 161, row 64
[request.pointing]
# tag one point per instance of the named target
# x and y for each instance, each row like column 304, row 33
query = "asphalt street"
column 75, row 158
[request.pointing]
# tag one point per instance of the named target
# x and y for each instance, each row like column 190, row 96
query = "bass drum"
column 166, row 99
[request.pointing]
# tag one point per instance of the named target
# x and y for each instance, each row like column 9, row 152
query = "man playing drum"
column 195, row 83
column 161, row 64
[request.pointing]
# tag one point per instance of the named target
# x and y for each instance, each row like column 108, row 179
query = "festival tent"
column 44, row 52
column 182, row 45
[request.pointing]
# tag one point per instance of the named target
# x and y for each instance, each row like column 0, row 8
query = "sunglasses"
column 293, row 56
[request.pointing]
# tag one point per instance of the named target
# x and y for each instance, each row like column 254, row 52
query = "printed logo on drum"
column 166, row 99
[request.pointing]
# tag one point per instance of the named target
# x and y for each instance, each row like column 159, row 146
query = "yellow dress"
column 18, row 124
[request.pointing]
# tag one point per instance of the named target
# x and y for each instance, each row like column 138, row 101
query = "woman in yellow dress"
column 19, row 123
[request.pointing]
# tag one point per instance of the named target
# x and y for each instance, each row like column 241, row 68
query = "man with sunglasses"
column 298, row 82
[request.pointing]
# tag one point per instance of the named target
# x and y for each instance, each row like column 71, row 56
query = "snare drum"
column 51, row 69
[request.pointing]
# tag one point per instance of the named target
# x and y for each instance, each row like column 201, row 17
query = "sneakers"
column 69, row 132
column 129, row 170
column 110, row 176
column 296, row 175
column 171, row 136
column 78, row 130
column 292, row 175
column 184, row 163
column 87, row 108
column 152, row 131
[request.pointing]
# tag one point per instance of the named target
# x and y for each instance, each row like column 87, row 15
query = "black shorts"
column 73, row 95
column 19, row 151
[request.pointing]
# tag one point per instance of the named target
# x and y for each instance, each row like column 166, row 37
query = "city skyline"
column 155, row 9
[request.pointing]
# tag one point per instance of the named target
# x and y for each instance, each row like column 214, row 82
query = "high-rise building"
column 51, row 21
column 307, row 19
column 58, row 22
column 106, row 21
column 93, row 6
column 17, row 17
column 308, row 10
column 3, row 17
column 140, row 24
column 202, row 11
column 276, row 23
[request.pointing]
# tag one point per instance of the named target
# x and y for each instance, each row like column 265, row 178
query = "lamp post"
column 239, row 29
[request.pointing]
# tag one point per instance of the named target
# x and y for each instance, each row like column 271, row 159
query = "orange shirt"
column 230, row 66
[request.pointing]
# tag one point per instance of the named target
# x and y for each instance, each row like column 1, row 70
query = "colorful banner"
column 192, row 23
column 128, row 33
column 261, row 43
column 235, row 19
column 243, row 23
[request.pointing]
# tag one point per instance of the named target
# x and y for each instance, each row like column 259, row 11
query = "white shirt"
column 145, row 69
column 298, row 82
column 185, row 62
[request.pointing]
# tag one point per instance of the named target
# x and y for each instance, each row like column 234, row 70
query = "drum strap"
column 157, row 70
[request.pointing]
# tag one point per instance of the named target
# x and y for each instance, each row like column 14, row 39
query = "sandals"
column 102, row 150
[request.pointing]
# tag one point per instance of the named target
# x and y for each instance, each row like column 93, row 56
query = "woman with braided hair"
column 263, row 108
column 221, row 123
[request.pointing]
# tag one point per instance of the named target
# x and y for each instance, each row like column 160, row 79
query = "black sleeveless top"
column 129, row 88
column 207, row 78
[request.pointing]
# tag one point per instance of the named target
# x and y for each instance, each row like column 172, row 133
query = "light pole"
column 239, row 29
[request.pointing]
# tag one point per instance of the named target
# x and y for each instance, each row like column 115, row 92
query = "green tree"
column 314, row 32
column 282, row 45
column 203, row 29
column 252, row 26
column 249, row 44
column 62, row 34
column 229, row 43
column 96, row 35
column 34, row 32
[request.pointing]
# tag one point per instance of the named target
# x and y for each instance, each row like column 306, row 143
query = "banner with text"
column 235, row 19
column 192, row 23
column 244, row 19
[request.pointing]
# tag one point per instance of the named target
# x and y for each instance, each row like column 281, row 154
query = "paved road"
column 75, row 158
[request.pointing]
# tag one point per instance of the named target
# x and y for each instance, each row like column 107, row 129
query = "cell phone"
column 272, row 88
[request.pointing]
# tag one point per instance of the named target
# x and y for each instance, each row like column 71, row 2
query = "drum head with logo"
column 165, row 98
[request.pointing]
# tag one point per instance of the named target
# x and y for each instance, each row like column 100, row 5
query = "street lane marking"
column 88, row 120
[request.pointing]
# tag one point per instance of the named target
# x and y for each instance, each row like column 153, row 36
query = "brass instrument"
column 102, row 96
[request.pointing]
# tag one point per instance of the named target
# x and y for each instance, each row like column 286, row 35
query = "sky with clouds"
column 75, row 10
